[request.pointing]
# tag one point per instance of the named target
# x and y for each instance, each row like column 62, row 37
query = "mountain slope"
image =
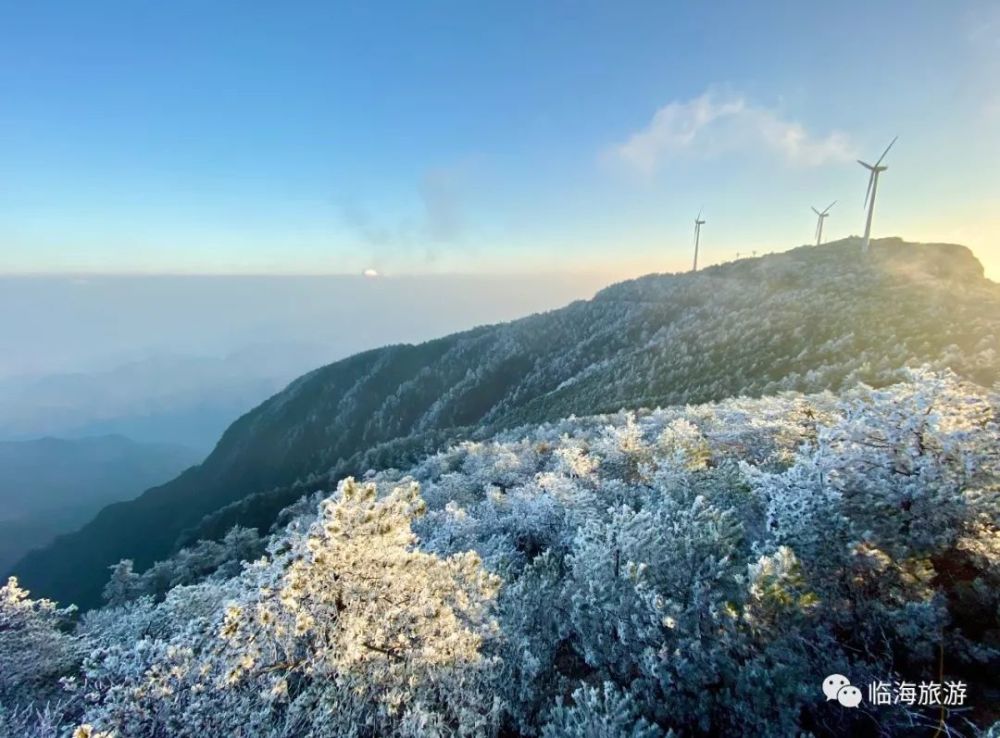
column 808, row 319
column 54, row 485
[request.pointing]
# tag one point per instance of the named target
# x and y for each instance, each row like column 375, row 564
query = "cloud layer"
column 710, row 125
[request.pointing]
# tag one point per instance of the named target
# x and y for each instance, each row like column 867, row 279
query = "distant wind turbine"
column 820, row 217
column 874, row 170
column 698, row 223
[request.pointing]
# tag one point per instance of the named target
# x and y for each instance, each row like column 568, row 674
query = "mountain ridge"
column 746, row 328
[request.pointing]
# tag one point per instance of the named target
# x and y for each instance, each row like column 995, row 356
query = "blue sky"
column 319, row 137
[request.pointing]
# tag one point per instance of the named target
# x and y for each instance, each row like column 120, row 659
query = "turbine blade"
column 886, row 151
column 865, row 165
column 829, row 206
column 815, row 211
column 871, row 182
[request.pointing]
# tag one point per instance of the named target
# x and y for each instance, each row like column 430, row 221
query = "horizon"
column 95, row 323
column 582, row 274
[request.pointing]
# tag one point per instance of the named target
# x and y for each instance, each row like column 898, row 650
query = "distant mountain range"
column 179, row 399
column 51, row 485
column 809, row 319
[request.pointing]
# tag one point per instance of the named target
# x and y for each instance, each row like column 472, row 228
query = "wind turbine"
column 698, row 223
column 875, row 170
column 821, row 216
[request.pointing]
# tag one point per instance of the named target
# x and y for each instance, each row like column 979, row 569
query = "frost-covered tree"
column 123, row 585
column 346, row 630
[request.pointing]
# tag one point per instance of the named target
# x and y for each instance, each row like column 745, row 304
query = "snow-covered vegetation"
column 809, row 320
column 689, row 571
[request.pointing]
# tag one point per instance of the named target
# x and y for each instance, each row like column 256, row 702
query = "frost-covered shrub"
column 216, row 559
column 346, row 630
column 35, row 648
column 688, row 571
column 604, row 712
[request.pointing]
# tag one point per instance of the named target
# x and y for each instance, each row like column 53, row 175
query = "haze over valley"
column 177, row 359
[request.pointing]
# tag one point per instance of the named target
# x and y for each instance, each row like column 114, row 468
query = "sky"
column 485, row 138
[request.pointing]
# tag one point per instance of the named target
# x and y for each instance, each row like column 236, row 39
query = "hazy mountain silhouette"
column 180, row 399
column 53, row 485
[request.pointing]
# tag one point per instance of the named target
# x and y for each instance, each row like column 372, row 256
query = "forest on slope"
column 810, row 319
column 687, row 571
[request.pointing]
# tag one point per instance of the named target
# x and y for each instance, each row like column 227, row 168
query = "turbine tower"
column 874, row 170
column 820, row 217
column 698, row 223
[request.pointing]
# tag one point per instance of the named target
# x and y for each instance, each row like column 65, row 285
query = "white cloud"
column 710, row 125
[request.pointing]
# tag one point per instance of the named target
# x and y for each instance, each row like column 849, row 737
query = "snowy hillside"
column 809, row 319
column 690, row 571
